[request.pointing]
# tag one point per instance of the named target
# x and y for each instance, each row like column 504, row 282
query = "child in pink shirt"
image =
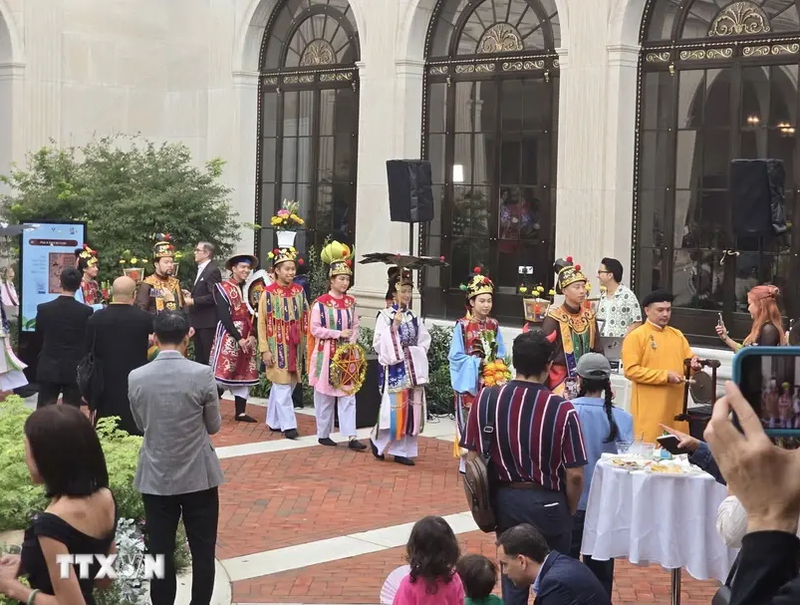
column 432, row 552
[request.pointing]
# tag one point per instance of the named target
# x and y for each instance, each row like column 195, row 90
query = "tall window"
column 490, row 117
column 308, row 119
column 718, row 82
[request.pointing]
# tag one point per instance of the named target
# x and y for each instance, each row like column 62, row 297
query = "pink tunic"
column 416, row 593
column 329, row 317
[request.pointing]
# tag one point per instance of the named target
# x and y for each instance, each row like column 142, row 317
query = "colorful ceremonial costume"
column 282, row 325
column 234, row 368
column 575, row 332
column 89, row 292
column 403, row 358
column 158, row 293
column 11, row 368
column 467, row 355
column 648, row 353
column 330, row 315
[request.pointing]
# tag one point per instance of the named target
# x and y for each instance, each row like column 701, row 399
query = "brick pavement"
column 359, row 580
column 239, row 433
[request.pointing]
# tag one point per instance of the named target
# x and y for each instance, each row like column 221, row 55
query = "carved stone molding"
column 740, row 19
column 500, row 38
column 318, row 52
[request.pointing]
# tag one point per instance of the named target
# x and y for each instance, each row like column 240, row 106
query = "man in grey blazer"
column 174, row 403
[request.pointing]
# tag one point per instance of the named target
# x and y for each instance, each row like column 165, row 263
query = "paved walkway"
column 305, row 524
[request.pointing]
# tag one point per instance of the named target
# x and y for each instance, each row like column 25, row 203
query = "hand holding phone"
column 672, row 444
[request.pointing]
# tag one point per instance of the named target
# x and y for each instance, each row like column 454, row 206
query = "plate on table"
column 628, row 464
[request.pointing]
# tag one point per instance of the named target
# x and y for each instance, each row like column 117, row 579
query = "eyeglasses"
column 599, row 272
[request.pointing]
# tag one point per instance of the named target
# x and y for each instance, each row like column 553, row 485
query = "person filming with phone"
column 653, row 358
column 767, row 330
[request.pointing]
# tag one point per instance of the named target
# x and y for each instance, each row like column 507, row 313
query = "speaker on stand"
column 410, row 194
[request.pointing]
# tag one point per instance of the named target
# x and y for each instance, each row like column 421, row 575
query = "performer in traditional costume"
column 161, row 291
column 12, row 374
column 467, row 351
column 282, row 326
column 402, row 342
column 89, row 292
column 571, row 326
column 334, row 322
column 233, row 353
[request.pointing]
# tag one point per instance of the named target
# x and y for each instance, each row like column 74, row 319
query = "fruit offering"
column 496, row 373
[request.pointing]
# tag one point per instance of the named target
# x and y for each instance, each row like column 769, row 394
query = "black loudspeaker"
column 410, row 191
column 757, row 197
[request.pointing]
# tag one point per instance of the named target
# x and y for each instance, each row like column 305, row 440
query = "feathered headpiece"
column 340, row 258
column 567, row 273
column 164, row 247
column 282, row 255
column 478, row 284
column 86, row 257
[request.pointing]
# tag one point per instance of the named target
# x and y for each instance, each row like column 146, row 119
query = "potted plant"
column 535, row 304
column 132, row 266
column 286, row 223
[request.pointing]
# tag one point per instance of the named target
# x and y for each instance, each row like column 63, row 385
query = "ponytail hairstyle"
column 596, row 385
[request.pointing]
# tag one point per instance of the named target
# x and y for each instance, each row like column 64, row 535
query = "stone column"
column 245, row 91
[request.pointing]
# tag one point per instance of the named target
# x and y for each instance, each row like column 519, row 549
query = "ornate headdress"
column 340, row 258
column 478, row 284
column 164, row 247
column 401, row 277
column 567, row 273
column 86, row 257
column 282, row 255
column 242, row 258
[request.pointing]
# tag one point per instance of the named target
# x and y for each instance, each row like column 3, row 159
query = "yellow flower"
column 523, row 289
column 301, row 221
column 122, row 261
column 294, row 217
column 552, row 292
column 134, row 260
column 127, row 252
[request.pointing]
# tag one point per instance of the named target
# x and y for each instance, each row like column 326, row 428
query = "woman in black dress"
column 63, row 453
column 767, row 330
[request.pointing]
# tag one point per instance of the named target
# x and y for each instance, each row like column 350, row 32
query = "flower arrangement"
column 535, row 303
column 496, row 373
column 287, row 218
column 105, row 291
column 133, row 265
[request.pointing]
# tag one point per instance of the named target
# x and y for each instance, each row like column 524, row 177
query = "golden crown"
column 282, row 255
column 567, row 274
column 163, row 247
column 479, row 284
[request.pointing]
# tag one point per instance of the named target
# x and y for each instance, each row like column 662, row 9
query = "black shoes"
column 273, row 430
column 404, row 461
column 245, row 418
column 327, row 441
column 356, row 445
column 375, row 451
column 291, row 434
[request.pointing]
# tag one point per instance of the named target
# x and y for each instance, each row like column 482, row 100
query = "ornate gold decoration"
column 719, row 53
column 484, row 67
column 786, row 49
column 500, row 38
column 755, row 51
column 693, row 55
column 657, row 57
column 290, row 80
column 738, row 19
column 318, row 52
column 465, row 69
column 439, row 70
column 336, row 76
column 348, row 368
column 556, row 64
column 270, row 81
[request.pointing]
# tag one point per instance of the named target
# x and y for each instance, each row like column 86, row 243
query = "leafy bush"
column 439, row 391
column 126, row 189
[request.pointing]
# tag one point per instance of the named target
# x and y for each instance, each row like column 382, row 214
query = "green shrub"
column 439, row 391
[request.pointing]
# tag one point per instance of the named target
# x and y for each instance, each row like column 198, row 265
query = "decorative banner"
column 46, row 250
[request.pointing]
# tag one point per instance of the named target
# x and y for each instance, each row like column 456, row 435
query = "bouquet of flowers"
column 287, row 218
column 105, row 291
column 496, row 373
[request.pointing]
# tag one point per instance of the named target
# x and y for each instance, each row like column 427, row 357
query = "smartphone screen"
column 771, row 385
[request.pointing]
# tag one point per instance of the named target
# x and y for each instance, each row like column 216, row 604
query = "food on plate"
column 633, row 465
column 666, row 468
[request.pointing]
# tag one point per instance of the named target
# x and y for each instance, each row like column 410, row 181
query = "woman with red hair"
column 767, row 330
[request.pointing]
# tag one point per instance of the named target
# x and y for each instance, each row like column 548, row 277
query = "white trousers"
column 405, row 447
column 323, row 407
column 280, row 408
column 243, row 392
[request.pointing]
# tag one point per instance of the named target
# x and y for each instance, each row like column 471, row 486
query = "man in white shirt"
column 201, row 306
column 618, row 311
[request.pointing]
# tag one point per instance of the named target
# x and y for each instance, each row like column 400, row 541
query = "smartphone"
column 720, row 321
column 769, row 378
column 670, row 443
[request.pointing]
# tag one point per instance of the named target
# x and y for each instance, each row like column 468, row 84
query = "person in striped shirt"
column 537, row 451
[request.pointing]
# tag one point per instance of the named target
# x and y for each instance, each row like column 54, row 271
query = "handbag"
column 477, row 482
column 89, row 376
column 723, row 594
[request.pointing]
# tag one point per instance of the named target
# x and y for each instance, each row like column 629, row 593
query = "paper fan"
column 392, row 584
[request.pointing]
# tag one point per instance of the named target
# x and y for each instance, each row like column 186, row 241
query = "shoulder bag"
column 723, row 595
column 477, row 482
column 89, row 376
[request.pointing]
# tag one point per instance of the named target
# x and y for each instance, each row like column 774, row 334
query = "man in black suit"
column 556, row 579
column 201, row 305
column 61, row 328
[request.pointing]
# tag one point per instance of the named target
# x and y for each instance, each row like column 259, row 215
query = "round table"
column 668, row 519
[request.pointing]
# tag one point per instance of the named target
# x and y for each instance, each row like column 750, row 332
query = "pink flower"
column 283, row 212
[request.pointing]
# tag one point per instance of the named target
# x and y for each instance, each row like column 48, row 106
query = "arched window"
column 490, row 118
column 308, row 119
column 718, row 81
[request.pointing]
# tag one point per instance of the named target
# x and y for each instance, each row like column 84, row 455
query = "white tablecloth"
column 653, row 518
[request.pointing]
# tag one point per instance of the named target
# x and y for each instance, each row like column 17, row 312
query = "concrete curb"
column 222, row 595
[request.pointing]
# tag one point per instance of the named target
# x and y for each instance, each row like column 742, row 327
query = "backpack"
column 477, row 483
